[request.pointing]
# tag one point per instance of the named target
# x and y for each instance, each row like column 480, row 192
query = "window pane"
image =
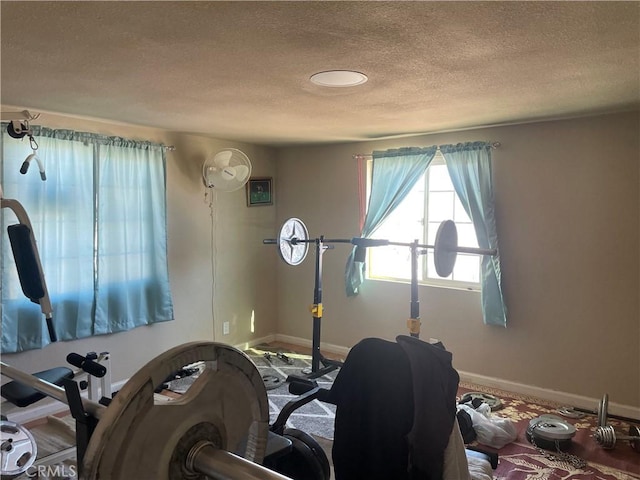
column 440, row 206
column 466, row 235
column 404, row 224
column 439, row 179
column 432, row 231
column 459, row 214
column 467, row 268
column 390, row 262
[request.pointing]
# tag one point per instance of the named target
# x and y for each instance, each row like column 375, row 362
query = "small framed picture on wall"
column 259, row 191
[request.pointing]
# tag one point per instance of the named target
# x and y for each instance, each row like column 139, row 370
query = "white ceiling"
column 240, row 70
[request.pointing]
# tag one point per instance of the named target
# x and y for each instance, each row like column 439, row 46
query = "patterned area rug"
column 315, row 418
column 520, row 460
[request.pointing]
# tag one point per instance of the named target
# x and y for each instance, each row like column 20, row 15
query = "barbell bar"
column 219, row 464
column 293, row 244
column 191, row 437
column 602, row 412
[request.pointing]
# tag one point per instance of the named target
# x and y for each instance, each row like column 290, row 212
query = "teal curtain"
column 394, row 173
column 469, row 167
column 100, row 225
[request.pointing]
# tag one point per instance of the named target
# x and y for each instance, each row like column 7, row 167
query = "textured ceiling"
column 240, row 70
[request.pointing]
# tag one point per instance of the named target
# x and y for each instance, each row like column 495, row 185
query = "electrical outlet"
column 225, row 328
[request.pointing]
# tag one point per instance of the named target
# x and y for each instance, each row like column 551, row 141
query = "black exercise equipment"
column 107, row 429
column 87, row 363
column 25, row 252
column 307, row 460
column 22, row 395
column 293, row 244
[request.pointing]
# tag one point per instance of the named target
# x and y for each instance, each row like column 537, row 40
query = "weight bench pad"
column 23, row 395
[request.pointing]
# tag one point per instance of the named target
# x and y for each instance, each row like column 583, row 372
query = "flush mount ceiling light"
column 339, row 78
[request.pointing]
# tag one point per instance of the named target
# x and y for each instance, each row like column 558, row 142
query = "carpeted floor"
column 519, row 460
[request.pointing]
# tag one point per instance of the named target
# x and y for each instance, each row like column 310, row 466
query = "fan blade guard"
column 227, row 170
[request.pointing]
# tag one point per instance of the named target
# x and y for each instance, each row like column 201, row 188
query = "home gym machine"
column 293, row 244
column 219, row 428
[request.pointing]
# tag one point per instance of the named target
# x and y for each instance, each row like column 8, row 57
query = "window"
column 431, row 201
column 100, row 225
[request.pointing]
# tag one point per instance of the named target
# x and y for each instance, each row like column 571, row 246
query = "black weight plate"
column 303, row 463
column 552, row 445
column 318, row 451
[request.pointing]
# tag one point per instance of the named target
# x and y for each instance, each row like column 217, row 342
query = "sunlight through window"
column 431, row 201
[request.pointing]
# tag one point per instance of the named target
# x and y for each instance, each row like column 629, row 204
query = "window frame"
column 423, row 259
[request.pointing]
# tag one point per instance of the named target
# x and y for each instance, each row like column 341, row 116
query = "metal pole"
column 472, row 250
column 414, row 327
column 219, row 464
column 317, row 302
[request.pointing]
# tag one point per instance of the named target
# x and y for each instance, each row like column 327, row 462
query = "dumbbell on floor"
column 607, row 437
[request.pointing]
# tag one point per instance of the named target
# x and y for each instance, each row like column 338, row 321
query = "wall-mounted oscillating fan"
column 227, row 170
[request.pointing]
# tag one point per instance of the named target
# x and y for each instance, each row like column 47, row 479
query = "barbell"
column 293, row 244
column 607, row 437
column 602, row 412
column 218, row 429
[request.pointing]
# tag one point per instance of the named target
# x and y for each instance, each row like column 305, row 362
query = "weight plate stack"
column 550, row 432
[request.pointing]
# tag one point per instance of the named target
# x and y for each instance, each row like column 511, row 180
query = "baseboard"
column 303, row 342
column 43, row 408
column 563, row 398
column 257, row 341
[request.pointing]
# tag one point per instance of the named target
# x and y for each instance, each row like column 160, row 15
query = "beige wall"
column 567, row 200
column 241, row 283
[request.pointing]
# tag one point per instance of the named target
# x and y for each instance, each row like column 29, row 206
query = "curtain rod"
column 494, row 145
